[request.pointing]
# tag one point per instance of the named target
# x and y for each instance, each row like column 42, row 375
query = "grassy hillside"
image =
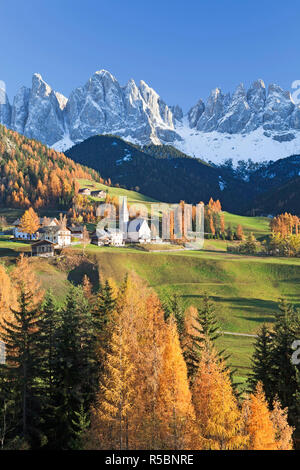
column 258, row 225
column 160, row 172
column 245, row 289
column 132, row 196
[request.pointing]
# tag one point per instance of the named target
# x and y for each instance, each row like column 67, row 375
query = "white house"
column 139, row 231
column 58, row 235
column 109, row 236
column 19, row 234
column 116, row 236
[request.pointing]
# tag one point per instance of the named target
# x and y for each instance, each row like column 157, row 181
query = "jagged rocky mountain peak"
column 137, row 113
column 177, row 112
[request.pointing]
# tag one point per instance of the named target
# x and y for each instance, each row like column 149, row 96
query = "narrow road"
column 238, row 334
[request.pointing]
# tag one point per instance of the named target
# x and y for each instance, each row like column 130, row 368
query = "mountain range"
column 166, row 174
column 258, row 123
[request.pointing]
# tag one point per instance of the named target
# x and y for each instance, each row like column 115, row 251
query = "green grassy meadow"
column 132, row 196
column 245, row 289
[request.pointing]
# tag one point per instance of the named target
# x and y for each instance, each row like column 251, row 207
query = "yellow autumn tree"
column 87, row 288
column 24, row 278
column 125, row 415
column 218, row 416
column 177, row 427
column 258, row 423
column 30, row 222
column 8, row 296
column 110, row 428
column 283, row 431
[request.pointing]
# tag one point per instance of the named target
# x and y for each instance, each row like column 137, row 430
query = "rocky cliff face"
column 246, row 110
column 138, row 114
column 101, row 106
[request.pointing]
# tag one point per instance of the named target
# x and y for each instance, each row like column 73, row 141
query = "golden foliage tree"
column 30, row 222
column 144, row 401
column 110, row 426
column 239, row 232
column 125, row 415
column 258, row 423
column 24, row 279
column 217, row 412
column 8, row 296
column 283, row 432
column 177, row 429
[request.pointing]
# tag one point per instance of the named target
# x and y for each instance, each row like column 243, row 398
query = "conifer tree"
column 258, row 423
column 110, row 427
column 286, row 329
column 207, row 319
column 217, row 413
column 74, row 381
column 24, row 279
column 177, row 428
column 8, row 295
column 87, row 289
column 104, row 306
column 239, row 232
column 262, row 363
column 48, row 325
column 46, row 342
column 193, row 341
column 22, row 366
column 175, row 307
column 283, row 432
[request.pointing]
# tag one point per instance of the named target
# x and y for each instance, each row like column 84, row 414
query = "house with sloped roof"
column 76, row 231
column 84, row 191
column 139, row 231
column 43, row 248
column 59, row 235
column 107, row 237
column 21, row 235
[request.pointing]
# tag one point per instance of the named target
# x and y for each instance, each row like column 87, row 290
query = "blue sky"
column 182, row 49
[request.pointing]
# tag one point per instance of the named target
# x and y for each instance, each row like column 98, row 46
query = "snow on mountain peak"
column 256, row 123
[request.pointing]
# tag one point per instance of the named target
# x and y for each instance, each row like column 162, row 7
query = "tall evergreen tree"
column 175, row 307
column 48, row 327
column 282, row 378
column 285, row 332
column 207, row 319
column 262, row 364
column 104, row 307
column 74, row 362
column 22, row 367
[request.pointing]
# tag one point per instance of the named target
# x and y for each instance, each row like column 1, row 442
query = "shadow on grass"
column 76, row 275
column 250, row 306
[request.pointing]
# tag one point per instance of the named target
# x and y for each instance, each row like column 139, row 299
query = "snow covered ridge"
column 256, row 123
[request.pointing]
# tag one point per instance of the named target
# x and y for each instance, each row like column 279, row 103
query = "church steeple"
column 123, row 215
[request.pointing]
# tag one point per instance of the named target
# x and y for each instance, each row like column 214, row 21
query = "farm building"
column 58, row 235
column 42, row 248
